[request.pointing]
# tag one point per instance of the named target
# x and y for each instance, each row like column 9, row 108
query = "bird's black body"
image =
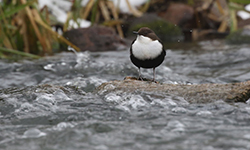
column 158, row 53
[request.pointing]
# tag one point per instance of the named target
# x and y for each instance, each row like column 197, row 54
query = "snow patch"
column 244, row 15
column 79, row 23
column 59, row 8
column 123, row 7
column 247, row 7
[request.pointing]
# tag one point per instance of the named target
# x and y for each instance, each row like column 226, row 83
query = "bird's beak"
column 135, row 32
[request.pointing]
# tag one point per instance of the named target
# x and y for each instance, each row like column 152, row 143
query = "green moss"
column 239, row 37
column 166, row 31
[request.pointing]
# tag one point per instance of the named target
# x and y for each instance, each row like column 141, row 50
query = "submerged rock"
column 196, row 93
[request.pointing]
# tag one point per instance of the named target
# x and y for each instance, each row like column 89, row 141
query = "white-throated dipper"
column 147, row 50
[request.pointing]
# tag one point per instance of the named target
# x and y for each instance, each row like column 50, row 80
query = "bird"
column 146, row 50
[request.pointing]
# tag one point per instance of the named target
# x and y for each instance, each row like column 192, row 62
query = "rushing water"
column 81, row 118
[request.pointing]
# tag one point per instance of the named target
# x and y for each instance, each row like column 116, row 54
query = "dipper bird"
column 147, row 51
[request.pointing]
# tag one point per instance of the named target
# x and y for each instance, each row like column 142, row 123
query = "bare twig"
column 134, row 11
column 114, row 12
column 39, row 36
column 88, row 8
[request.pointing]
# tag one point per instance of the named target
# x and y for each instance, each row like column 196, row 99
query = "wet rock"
column 178, row 13
column 95, row 38
column 166, row 31
column 197, row 93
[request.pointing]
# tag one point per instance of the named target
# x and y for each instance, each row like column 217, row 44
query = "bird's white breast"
column 145, row 48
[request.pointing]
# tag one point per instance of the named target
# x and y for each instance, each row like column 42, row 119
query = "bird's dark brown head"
column 145, row 31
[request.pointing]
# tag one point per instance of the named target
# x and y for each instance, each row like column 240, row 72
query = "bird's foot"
column 153, row 80
column 140, row 78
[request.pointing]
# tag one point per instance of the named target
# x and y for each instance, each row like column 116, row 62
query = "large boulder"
column 95, row 38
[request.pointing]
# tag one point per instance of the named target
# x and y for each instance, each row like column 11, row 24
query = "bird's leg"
column 140, row 78
column 154, row 75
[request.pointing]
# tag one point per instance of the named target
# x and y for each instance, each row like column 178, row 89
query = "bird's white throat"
column 145, row 48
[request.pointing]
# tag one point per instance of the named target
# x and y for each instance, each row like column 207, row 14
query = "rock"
column 166, row 31
column 178, row 13
column 241, row 36
column 95, row 38
column 243, row 23
column 196, row 93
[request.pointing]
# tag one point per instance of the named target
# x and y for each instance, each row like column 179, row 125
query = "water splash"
column 33, row 133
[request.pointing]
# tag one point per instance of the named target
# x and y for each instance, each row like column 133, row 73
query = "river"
column 81, row 118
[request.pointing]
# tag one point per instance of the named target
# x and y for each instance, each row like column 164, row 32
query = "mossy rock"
column 239, row 37
column 166, row 31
